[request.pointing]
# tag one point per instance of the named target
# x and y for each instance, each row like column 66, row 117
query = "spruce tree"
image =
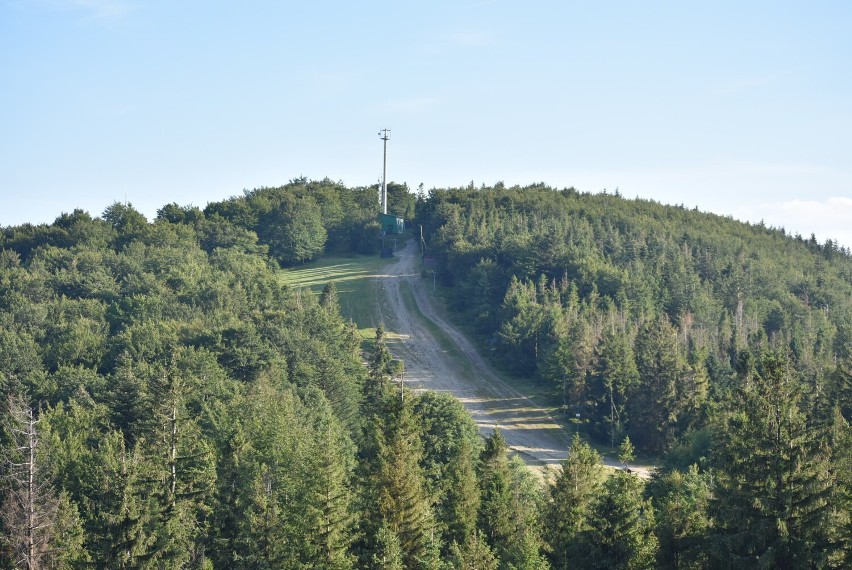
column 473, row 554
column 772, row 476
column 329, row 299
column 123, row 525
column 291, row 511
column 568, row 512
column 39, row 528
column 460, row 503
column 508, row 513
column 329, row 493
column 402, row 501
column 657, row 400
column 838, row 404
column 495, row 510
column 451, row 445
column 185, row 469
column 526, row 544
column 622, row 527
column 613, row 378
column 841, row 512
column 387, row 552
column 380, row 364
column 681, row 505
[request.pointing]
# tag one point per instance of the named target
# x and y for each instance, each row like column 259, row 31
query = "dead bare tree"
column 30, row 508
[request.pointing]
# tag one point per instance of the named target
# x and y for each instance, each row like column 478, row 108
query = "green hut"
column 391, row 224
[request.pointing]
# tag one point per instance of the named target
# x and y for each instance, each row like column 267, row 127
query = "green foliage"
column 292, row 486
column 474, row 554
column 681, row 505
column 568, row 514
column 510, row 506
column 329, row 299
column 659, row 402
column 403, row 501
column 495, row 510
column 613, row 379
column 388, row 552
column 303, row 219
column 771, row 497
column 626, row 452
column 630, row 312
column 293, row 230
column 128, row 223
column 144, row 353
column 196, row 412
column 622, row 526
column 451, row 445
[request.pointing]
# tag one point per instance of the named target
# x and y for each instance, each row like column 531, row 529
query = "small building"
column 391, row 224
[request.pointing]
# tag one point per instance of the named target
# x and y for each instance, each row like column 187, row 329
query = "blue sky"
column 739, row 108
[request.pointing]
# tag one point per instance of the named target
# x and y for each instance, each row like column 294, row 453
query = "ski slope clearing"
column 438, row 356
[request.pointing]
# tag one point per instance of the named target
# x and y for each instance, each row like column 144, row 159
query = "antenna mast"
column 384, row 134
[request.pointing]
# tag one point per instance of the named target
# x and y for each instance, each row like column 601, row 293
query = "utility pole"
column 384, row 134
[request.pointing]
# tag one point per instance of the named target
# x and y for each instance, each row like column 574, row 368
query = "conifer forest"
column 167, row 401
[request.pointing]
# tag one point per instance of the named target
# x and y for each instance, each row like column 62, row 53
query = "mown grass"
column 356, row 282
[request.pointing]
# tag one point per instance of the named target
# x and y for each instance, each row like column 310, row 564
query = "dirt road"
column 429, row 364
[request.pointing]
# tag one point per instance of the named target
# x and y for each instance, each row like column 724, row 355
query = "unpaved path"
column 529, row 431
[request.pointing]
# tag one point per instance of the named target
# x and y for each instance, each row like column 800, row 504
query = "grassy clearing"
column 355, row 279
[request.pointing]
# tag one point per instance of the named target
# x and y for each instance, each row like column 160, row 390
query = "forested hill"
column 168, row 403
column 643, row 315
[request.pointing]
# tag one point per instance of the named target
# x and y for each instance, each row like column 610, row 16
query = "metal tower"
column 384, row 134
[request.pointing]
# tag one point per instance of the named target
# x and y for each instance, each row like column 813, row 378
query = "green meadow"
column 355, row 279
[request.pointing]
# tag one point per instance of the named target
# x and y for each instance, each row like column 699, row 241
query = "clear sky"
column 742, row 108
